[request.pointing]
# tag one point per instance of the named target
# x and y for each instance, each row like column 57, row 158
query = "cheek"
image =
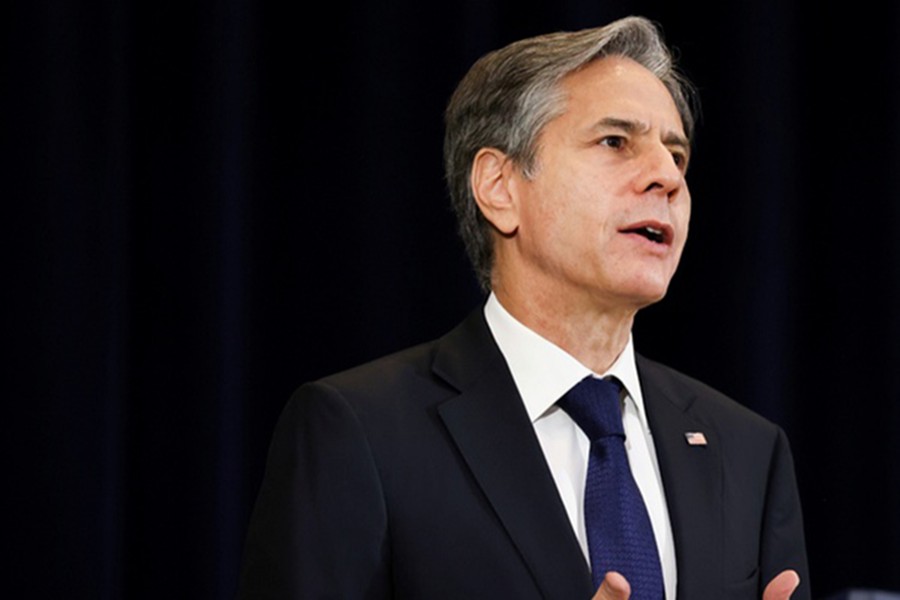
column 547, row 209
column 682, row 217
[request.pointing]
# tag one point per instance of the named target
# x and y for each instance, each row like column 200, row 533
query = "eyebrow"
column 631, row 126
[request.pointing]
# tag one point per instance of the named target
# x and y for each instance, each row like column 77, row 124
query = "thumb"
column 782, row 586
column 613, row 587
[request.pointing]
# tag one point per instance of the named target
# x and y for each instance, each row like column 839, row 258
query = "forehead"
column 619, row 86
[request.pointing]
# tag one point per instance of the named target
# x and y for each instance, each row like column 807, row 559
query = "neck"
column 592, row 332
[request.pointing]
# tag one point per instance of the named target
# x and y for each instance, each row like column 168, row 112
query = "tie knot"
column 594, row 405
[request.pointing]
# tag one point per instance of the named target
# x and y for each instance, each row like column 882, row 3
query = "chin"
column 645, row 295
column 644, row 283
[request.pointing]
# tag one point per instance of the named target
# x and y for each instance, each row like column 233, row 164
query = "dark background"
column 206, row 204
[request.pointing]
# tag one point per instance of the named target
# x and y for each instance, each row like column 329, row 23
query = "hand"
column 782, row 586
column 614, row 587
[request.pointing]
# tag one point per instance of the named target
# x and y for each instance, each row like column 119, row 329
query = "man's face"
column 604, row 215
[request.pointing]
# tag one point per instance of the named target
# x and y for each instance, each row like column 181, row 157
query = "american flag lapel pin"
column 695, row 438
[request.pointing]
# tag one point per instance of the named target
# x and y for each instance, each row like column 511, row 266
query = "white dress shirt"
column 543, row 373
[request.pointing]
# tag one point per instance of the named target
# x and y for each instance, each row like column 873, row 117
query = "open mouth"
column 656, row 234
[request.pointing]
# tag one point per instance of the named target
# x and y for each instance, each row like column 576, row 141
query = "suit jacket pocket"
column 748, row 589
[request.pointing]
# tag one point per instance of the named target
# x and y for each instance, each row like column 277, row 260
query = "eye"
column 616, row 142
column 680, row 160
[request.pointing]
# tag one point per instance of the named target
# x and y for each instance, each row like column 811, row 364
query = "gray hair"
column 510, row 94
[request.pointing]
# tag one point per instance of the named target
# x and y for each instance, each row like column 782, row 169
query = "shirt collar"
column 544, row 372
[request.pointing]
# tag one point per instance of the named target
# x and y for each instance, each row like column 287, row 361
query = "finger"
column 782, row 586
column 613, row 587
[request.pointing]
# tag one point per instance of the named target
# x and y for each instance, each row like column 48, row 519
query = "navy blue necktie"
column 620, row 536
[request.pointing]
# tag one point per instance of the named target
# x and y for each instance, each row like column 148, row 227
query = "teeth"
column 654, row 234
column 651, row 233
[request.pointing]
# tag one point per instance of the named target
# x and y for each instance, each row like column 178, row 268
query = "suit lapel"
column 492, row 431
column 692, row 480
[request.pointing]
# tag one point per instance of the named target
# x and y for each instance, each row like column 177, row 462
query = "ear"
column 491, row 170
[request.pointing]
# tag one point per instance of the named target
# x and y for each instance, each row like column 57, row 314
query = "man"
column 454, row 469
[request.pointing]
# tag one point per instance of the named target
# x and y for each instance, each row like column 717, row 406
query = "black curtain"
column 209, row 203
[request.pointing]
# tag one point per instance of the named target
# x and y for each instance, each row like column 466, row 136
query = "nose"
column 660, row 173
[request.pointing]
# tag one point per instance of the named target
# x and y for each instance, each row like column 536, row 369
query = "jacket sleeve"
column 782, row 543
column 319, row 525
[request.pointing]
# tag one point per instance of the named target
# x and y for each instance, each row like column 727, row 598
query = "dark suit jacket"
column 420, row 476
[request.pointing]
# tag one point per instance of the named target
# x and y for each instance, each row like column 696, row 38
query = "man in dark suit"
column 449, row 470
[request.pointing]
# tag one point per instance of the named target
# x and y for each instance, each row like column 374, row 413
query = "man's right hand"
column 613, row 587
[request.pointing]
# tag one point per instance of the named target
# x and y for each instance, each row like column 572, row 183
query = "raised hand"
column 782, row 586
column 613, row 587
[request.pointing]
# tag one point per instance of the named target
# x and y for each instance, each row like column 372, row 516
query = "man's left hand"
column 782, row 586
